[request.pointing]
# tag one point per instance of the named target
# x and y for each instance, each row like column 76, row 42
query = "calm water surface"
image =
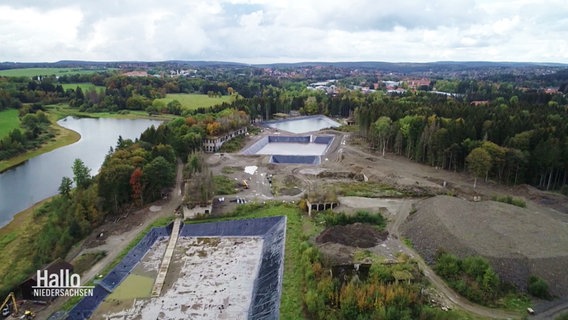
column 303, row 125
column 40, row 177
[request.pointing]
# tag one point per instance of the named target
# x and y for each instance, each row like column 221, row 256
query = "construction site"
column 233, row 269
column 225, row 270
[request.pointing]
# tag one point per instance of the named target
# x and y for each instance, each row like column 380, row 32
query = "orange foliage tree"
column 136, row 184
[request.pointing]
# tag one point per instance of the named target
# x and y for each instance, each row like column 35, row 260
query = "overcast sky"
column 264, row 31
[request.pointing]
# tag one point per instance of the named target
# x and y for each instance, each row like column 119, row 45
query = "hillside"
column 518, row 242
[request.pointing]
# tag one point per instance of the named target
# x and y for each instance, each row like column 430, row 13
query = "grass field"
column 193, row 101
column 8, row 121
column 63, row 137
column 16, row 249
column 31, row 72
column 63, row 110
column 83, row 86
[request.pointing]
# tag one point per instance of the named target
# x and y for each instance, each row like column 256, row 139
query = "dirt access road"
column 117, row 241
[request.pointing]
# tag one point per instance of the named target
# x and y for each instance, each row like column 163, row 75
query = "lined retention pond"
column 303, row 124
column 292, row 149
column 181, row 298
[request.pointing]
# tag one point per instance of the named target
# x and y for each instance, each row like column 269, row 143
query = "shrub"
column 538, row 287
column 510, row 200
column 334, row 219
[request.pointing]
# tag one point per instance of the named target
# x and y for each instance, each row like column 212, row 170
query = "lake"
column 40, row 177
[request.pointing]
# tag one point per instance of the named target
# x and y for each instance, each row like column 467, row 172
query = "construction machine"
column 10, row 307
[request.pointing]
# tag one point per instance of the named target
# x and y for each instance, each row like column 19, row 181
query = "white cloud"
column 294, row 30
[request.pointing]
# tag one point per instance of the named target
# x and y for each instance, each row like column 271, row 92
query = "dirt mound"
column 356, row 235
column 341, row 175
column 518, row 242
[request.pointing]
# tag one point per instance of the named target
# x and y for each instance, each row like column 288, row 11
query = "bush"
column 510, row 200
column 334, row 219
column 472, row 277
column 224, row 185
column 538, row 287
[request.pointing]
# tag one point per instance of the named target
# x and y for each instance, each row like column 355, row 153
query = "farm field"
column 8, row 121
column 31, row 72
column 192, row 101
column 83, row 86
column 63, row 110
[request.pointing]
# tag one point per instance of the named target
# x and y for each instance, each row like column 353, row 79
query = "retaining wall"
column 295, row 159
column 323, row 139
column 289, row 139
column 256, row 146
column 268, row 285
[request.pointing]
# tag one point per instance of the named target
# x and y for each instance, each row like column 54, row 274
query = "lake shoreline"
column 63, row 138
column 38, row 178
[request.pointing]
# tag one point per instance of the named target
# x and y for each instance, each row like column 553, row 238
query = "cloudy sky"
column 263, row 31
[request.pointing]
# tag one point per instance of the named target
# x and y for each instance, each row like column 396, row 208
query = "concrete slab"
column 292, row 148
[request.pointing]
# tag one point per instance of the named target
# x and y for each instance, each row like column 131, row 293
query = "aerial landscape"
column 284, row 160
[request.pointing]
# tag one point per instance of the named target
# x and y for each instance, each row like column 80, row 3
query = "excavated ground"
column 356, row 235
column 518, row 242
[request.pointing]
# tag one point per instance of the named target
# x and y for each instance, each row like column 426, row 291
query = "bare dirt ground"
column 356, row 235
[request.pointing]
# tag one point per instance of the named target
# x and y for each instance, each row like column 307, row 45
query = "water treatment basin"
column 292, row 149
column 303, row 124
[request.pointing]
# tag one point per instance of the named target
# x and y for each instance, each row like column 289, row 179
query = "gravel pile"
column 518, row 242
column 356, row 235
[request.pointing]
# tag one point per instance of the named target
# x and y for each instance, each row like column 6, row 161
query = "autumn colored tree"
column 190, row 121
column 213, row 128
column 136, row 184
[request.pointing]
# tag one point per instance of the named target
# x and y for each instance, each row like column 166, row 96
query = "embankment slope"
column 517, row 241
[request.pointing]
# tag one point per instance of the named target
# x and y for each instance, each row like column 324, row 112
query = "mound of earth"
column 355, row 235
column 341, row 175
column 518, row 242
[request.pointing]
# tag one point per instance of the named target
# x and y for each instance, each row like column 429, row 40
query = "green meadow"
column 8, row 121
column 32, row 72
column 193, row 101
column 83, row 86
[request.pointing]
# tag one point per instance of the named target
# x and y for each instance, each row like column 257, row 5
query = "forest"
column 510, row 140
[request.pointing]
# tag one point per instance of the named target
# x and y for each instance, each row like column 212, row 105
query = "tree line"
column 512, row 141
